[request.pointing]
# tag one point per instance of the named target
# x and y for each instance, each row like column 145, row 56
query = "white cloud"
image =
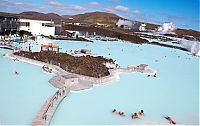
column 53, row 3
column 116, row 1
column 110, row 10
column 121, row 8
column 136, row 12
column 76, row 8
column 62, row 8
column 19, row 3
column 93, row 4
column 13, row 7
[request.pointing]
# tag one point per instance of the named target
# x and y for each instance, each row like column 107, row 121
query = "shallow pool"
column 22, row 95
column 174, row 92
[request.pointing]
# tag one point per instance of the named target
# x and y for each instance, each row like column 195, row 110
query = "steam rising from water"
column 167, row 27
column 192, row 46
column 124, row 22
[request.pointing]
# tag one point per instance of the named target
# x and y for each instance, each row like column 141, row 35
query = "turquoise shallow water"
column 23, row 95
column 174, row 92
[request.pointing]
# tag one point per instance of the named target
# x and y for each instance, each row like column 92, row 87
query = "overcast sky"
column 183, row 13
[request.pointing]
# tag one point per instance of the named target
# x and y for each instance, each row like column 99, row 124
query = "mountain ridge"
column 97, row 17
column 89, row 17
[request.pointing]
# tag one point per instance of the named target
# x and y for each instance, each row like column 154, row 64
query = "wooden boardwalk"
column 45, row 115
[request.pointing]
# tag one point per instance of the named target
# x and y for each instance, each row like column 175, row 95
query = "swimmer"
column 141, row 113
column 16, row 73
column 114, row 110
column 135, row 116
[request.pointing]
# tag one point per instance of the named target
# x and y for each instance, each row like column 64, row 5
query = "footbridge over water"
column 45, row 115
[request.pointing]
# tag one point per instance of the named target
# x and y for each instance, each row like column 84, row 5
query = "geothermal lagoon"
column 174, row 92
column 21, row 95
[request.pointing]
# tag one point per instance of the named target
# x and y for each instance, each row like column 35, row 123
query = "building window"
column 27, row 24
column 47, row 24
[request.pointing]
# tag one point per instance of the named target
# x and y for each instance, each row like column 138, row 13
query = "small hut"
column 50, row 47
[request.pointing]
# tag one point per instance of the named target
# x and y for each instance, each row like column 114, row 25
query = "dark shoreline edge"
column 123, row 34
column 85, row 65
column 168, row 46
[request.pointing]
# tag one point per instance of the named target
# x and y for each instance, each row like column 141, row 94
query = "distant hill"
column 104, row 18
column 190, row 32
column 97, row 17
column 41, row 16
column 31, row 14
column 91, row 18
column 37, row 16
column 54, row 16
column 66, row 16
column 7, row 14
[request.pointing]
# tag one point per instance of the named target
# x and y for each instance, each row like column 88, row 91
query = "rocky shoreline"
column 84, row 65
column 169, row 46
column 68, row 38
column 127, row 35
column 137, row 37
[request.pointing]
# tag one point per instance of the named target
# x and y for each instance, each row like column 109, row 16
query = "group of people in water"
column 133, row 116
column 141, row 113
column 155, row 75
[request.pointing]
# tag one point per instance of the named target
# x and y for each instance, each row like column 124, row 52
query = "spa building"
column 37, row 27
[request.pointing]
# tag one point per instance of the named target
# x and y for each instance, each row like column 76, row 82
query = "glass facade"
column 9, row 25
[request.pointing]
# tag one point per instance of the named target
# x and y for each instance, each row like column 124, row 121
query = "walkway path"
column 45, row 115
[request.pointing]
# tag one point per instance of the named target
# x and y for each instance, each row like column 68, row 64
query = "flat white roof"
column 34, row 20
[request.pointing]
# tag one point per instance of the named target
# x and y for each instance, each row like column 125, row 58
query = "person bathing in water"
column 114, row 111
column 170, row 120
column 121, row 114
column 141, row 113
column 16, row 73
column 135, row 116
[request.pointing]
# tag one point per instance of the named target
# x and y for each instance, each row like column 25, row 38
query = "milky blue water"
column 175, row 92
column 23, row 95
